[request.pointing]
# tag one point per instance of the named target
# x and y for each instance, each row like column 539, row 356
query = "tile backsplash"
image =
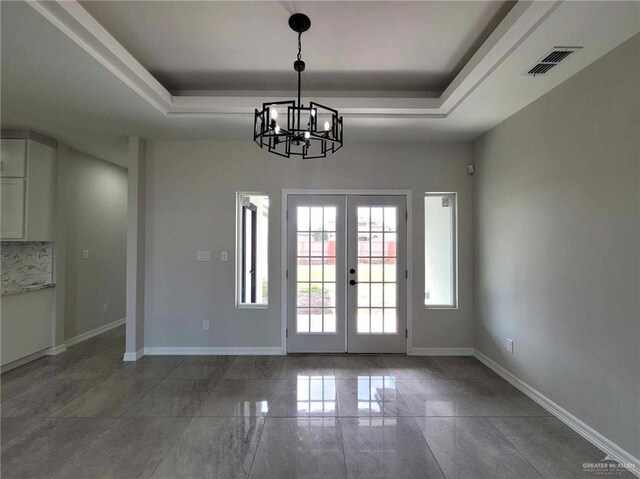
column 26, row 264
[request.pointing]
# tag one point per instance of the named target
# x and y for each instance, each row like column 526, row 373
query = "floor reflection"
column 316, row 394
column 373, row 391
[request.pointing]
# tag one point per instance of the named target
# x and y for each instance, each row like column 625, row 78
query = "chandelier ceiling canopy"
column 288, row 128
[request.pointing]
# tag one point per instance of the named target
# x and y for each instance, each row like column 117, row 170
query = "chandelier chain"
column 299, row 45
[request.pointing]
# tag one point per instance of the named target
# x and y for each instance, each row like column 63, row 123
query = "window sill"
column 252, row 306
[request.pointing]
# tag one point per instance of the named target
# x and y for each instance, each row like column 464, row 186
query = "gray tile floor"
column 86, row 414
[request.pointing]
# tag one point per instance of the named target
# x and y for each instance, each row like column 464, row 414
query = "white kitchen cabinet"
column 27, row 202
column 13, row 157
column 12, row 200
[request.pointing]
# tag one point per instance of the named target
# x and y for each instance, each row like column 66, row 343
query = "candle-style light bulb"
column 307, row 135
column 277, row 129
column 274, row 113
column 326, row 126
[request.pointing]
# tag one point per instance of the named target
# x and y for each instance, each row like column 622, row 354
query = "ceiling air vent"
column 550, row 60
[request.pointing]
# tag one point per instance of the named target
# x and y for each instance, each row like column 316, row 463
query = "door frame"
column 361, row 192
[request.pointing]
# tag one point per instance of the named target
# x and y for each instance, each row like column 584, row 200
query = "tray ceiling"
column 351, row 46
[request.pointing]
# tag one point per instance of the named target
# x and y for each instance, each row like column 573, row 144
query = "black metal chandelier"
column 288, row 128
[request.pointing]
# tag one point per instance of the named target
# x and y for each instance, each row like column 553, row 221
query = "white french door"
column 346, row 282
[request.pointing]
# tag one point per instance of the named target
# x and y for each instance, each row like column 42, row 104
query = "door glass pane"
column 329, row 320
column 329, row 295
column 303, row 269
column 363, row 295
column 377, row 270
column 302, row 323
column 329, row 218
column 303, row 295
column 390, row 218
column 303, row 218
column 390, row 320
column 390, row 295
column 363, row 320
column 377, row 220
column 376, row 320
column 316, row 219
column 376, row 294
column 316, row 269
column 363, row 269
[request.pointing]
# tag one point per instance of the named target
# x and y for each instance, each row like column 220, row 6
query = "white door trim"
column 283, row 249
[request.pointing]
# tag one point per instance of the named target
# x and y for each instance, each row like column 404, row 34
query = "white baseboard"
column 594, row 437
column 441, row 352
column 55, row 350
column 133, row 356
column 94, row 332
column 162, row 351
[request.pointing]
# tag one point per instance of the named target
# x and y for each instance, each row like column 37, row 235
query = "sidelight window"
column 252, row 250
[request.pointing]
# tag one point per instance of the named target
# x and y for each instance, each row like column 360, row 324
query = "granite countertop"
column 27, row 289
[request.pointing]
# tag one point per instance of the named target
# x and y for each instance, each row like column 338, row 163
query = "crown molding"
column 75, row 22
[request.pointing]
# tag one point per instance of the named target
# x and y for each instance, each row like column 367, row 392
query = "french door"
column 346, row 281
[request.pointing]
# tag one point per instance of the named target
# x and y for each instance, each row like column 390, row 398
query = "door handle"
column 352, row 282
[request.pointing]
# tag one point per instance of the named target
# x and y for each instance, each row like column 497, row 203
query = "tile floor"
column 86, row 414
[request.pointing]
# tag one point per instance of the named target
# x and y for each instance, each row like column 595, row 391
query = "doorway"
column 346, row 273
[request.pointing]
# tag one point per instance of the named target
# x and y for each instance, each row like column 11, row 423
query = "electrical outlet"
column 203, row 255
column 105, row 307
column 205, row 325
column 85, row 254
column 224, row 256
column 510, row 345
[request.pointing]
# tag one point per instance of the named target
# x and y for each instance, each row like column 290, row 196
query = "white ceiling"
column 60, row 87
column 403, row 46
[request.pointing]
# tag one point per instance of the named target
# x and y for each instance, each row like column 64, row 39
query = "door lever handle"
column 352, row 282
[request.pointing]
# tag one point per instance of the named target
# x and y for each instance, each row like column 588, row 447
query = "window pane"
column 252, row 246
column 440, row 267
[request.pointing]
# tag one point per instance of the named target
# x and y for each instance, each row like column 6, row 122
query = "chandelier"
column 288, row 128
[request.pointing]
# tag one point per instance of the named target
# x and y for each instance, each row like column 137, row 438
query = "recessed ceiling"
column 64, row 78
column 372, row 46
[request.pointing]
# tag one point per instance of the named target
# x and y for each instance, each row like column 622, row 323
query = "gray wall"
column 558, row 239
column 96, row 210
column 191, row 188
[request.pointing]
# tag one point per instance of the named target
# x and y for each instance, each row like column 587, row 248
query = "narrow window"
column 440, row 250
column 252, row 249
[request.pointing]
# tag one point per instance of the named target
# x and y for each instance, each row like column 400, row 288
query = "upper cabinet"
column 27, row 190
column 13, row 158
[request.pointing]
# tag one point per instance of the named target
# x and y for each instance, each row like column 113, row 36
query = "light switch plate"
column 85, row 254
column 510, row 345
column 224, row 256
column 203, row 255
column 205, row 325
